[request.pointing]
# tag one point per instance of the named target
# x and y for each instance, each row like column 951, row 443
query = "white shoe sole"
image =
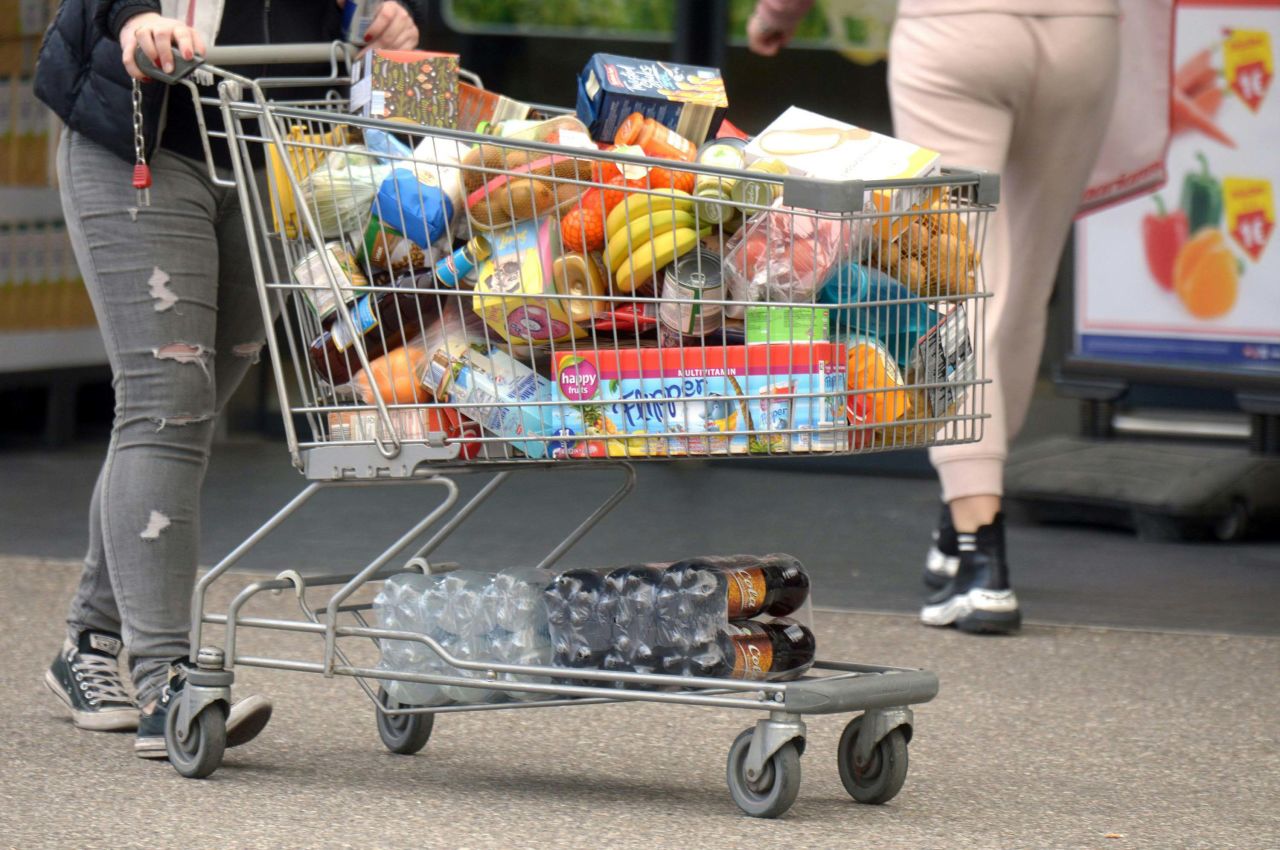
column 107, row 720
column 977, row 610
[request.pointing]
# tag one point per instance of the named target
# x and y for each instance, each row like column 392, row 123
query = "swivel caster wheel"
column 404, row 734
column 772, row 792
column 880, row 778
column 197, row 751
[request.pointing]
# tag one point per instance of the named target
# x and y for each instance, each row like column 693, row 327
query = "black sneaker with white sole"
column 246, row 719
column 943, row 558
column 85, row 677
column 978, row 598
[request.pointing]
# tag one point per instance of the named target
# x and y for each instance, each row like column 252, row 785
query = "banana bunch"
column 646, row 233
column 933, row 254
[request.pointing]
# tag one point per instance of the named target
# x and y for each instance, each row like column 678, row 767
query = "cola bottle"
column 383, row 320
column 579, row 618
column 633, row 592
column 780, row 649
column 690, row 604
column 776, row 585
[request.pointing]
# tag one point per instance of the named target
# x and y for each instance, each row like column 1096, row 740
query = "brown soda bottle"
column 776, row 584
column 386, row 320
column 757, row 651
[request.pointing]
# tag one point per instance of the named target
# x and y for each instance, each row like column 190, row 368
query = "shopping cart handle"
column 182, row 68
column 246, row 54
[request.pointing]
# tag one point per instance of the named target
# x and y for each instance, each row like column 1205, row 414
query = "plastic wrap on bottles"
column 530, row 647
column 477, row 647
column 398, row 606
column 579, row 618
column 782, row 255
column 516, row 599
column 465, row 610
column 341, row 187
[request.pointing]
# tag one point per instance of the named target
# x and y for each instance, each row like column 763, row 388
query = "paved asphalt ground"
column 1059, row 738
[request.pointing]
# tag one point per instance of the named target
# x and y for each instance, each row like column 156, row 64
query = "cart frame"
column 763, row 770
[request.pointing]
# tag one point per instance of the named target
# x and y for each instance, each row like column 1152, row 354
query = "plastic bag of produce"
column 338, row 191
column 782, row 255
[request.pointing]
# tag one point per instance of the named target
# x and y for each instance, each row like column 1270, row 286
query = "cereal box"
column 688, row 99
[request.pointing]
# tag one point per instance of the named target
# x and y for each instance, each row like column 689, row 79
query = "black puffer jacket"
column 80, row 75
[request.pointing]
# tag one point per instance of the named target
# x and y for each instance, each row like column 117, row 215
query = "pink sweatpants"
column 1027, row 97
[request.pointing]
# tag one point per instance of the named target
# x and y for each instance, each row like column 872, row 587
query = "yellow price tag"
column 1251, row 213
column 1248, row 65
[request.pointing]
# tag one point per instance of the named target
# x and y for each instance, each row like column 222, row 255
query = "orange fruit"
column 582, row 230
column 665, row 178
column 1205, row 278
column 613, row 197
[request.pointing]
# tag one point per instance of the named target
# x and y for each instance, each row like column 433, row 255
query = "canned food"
column 714, row 192
column 749, row 194
column 310, row 272
column 693, row 278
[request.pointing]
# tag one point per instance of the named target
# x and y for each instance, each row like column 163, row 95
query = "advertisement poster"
column 1191, row 273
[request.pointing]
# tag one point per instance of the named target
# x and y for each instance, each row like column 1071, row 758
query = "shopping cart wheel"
column 403, row 733
column 779, row 783
column 881, row 777
column 201, row 752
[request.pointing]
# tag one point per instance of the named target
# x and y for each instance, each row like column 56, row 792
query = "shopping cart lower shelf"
column 763, row 770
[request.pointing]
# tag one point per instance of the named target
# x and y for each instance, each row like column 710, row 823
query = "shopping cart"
column 877, row 366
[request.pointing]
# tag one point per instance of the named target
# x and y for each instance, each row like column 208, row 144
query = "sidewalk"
column 1054, row 739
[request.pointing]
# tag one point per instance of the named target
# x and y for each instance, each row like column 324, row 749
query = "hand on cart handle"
column 152, row 37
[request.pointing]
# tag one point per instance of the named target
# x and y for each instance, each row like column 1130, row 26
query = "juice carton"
column 734, row 399
column 410, row 85
column 688, row 99
column 513, row 284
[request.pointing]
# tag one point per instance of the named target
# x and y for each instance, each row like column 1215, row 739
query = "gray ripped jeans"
column 174, row 294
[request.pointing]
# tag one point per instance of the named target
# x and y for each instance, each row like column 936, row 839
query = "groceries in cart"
column 740, row 617
column 629, row 281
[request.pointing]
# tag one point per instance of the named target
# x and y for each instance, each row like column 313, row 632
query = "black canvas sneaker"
column 978, row 597
column 85, row 677
column 246, row 719
column 943, row 558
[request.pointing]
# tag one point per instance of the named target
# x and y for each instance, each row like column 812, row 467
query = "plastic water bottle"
column 466, row 610
column 471, row 648
column 530, row 647
column 516, row 598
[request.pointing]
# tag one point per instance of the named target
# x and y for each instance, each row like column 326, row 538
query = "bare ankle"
column 969, row 513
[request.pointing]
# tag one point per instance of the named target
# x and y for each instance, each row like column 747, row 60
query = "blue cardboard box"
column 688, row 99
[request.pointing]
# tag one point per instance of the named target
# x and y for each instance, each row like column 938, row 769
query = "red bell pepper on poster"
column 1163, row 234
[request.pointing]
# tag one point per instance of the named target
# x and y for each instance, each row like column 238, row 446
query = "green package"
column 775, row 323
